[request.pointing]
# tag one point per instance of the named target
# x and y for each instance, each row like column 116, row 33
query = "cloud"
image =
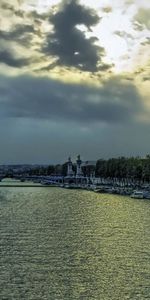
column 68, row 43
column 143, row 71
column 142, row 18
column 20, row 25
column 6, row 6
column 20, row 42
column 146, row 42
column 9, row 6
column 129, row 2
column 117, row 101
column 20, row 33
column 11, row 60
column 107, row 9
column 146, row 78
column 124, row 34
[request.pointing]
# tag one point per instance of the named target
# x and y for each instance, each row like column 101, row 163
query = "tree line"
column 132, row 168
column 121, row 168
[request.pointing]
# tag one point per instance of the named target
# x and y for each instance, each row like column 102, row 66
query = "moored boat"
column 147, row 195
column 137, row 194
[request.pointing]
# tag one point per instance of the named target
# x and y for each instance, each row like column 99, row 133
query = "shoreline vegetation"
column 120, row 175
column 132, row 170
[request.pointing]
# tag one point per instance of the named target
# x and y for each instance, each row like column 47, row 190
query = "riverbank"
column 134, row 191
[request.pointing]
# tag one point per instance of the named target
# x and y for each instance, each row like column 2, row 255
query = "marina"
column 81, row 175
column 102, row 189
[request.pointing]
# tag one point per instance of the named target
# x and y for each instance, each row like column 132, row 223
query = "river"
column 59, row 244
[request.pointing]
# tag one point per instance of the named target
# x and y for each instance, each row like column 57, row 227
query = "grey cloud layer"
column 31, row 97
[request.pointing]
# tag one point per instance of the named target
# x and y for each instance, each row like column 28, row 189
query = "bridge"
column 36, row 178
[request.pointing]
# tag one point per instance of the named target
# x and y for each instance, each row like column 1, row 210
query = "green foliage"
column 134, row 168
column 88, row 170
column 64, row 169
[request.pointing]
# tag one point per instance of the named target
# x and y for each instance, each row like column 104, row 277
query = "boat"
column 72, row 186
column 48, row 183
column 147, row 195
column 106, row 189
column 137, row 194
column 100, row 190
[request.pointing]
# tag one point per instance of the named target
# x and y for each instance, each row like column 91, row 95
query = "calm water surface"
column 68, row 244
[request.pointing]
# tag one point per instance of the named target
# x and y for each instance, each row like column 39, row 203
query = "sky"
column 74, row 79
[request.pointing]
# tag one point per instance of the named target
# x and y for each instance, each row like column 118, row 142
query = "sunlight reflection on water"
column 69, row 244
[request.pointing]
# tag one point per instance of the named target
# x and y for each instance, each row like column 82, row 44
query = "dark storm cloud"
column 68, row 43
column 11, row 60
column 117, row 101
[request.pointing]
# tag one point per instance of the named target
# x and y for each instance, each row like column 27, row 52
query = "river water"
column 59, row 244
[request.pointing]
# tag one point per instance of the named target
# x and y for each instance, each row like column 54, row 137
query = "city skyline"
column 74, row 79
